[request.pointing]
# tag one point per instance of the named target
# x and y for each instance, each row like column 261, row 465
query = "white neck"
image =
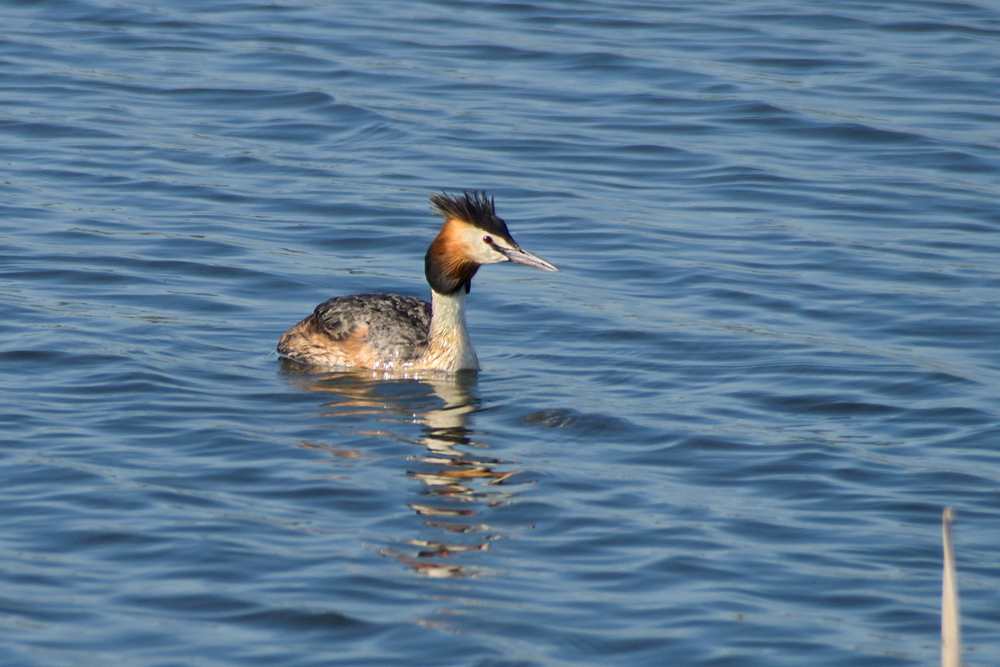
column 450, row 347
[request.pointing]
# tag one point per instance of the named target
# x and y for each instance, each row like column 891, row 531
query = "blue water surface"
column 723, row 434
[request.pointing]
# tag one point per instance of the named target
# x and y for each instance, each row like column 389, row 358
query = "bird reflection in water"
column 459, row 480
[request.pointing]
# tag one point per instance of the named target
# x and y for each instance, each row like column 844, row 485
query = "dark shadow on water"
column 460, row 480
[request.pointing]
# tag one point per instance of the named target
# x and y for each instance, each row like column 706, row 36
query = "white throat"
column 450, row 347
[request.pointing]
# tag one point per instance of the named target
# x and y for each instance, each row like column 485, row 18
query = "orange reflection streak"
column 458, row 484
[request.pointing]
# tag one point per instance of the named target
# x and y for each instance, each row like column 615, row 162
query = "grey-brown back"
column 398, row 326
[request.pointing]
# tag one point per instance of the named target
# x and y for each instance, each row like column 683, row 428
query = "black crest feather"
column 475, row 208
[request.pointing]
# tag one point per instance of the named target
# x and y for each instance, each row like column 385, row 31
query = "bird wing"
column 397, row 326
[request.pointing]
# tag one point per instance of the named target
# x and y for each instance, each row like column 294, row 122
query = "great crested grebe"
column 392, row 332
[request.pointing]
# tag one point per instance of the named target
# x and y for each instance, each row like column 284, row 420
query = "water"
column 722, row 435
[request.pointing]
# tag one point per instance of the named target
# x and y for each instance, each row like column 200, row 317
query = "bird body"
column 392, row 332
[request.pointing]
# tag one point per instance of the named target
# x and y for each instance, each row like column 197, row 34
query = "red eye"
column 488, row 240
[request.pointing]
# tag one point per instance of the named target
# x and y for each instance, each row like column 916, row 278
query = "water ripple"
column 723, row 434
